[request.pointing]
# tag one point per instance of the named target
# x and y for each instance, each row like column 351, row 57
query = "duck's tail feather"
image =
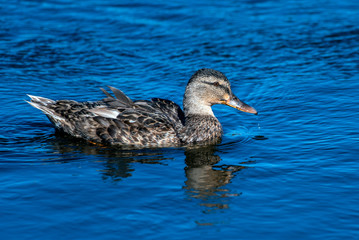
column 44, row 104
column 121, row 96
column 119, row 100
column 40, row 103
column 106, row 93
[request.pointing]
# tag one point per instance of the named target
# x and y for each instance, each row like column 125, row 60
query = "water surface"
column 289, row 173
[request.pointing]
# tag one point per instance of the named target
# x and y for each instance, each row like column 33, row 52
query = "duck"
column 119, row 121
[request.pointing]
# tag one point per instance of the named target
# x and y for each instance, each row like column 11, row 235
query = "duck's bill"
column 234, row 102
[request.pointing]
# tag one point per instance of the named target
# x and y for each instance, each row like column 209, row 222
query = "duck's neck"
column 201, row 129
column 194, row 105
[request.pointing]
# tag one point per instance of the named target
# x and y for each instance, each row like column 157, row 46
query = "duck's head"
column 208, row 87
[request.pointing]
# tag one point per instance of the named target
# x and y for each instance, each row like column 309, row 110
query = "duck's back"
column 117, row 121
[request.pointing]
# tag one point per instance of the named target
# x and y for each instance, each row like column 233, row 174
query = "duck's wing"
column 157, row 108
column 170, row 110
column 140, row 123
column 144, row 123
column 121, row 106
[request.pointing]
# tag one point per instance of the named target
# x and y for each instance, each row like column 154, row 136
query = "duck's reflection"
column 118, row 163
column 206, row 178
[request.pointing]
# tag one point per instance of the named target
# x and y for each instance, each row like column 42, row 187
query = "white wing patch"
column 104, row 112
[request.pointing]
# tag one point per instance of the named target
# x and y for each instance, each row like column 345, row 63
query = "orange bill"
column 234, row 102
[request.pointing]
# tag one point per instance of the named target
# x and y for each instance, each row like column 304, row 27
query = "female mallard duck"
column 156, row 123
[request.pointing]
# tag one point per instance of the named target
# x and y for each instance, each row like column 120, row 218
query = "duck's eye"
column 216, row 84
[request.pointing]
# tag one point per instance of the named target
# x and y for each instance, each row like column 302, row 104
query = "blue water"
column 289, row 173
